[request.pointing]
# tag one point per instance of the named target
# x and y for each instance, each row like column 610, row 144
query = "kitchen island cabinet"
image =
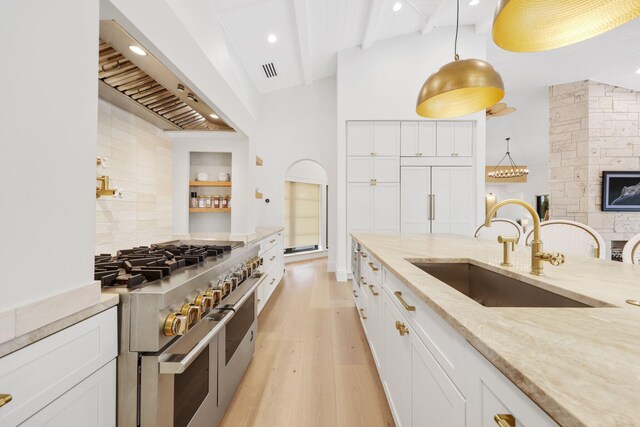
column 272, row 253
column 448, row 360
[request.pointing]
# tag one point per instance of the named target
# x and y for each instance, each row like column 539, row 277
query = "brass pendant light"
column 460, row 87
column 539, row 25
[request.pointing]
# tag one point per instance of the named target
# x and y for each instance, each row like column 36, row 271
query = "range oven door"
column 179, row 386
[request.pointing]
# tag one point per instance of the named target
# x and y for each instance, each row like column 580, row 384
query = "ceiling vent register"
column 269, row 70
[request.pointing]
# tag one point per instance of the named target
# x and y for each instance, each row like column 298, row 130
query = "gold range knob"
column 216, row 296
column 204, row 301
column 192, row 312
column 175, row 324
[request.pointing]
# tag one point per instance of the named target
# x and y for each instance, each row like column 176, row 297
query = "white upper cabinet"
column 373, row 139
column 386, row 139
column 359, row 169
column 418, row 139
column 386, row 200
column 386, row 169
column 454, row 139
column 453, row 207
column 359, row 138
column 415, row 199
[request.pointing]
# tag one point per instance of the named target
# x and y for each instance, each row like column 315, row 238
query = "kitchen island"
column 581, row 366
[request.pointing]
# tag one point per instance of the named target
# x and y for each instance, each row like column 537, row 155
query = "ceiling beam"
column 304, row 40
column 375, row 13
column 443, row 8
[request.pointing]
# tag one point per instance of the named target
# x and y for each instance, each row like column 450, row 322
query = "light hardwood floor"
column 312, row 365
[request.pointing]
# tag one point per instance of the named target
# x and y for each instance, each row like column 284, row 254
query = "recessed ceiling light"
column 397, row 6
column 474, row 2
column 638, row 71
column 272, row 38
column 137, row 50
column 214, row 116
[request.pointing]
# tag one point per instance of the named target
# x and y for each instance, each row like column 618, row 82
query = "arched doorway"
column 305, row 209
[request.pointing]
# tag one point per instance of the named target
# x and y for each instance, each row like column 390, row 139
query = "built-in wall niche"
column 210, row 182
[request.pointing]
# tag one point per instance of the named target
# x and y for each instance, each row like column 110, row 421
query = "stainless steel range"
column 187, row 323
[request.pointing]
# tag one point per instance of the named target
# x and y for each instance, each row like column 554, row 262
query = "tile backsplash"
column 139, row 161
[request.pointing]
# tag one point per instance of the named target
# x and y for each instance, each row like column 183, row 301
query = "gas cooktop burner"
column 144, row 264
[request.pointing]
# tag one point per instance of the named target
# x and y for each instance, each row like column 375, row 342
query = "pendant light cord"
column 455, row 46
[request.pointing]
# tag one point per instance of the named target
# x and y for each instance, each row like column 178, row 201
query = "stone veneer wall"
column 140, row 162
column 593, row 127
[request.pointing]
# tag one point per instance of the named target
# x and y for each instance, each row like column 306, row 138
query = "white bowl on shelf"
column 202, row 176
column 224, row 177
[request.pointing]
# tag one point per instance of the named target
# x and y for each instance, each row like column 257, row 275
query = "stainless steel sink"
column 492, row 289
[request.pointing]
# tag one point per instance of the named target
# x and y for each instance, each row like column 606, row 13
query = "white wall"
column 48, row 128
column 382, row 83
column 242, row 186
column 295, row 124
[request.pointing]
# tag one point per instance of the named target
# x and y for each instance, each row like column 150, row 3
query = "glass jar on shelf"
column 208, row 202
column 216, row 202
column 202, row 201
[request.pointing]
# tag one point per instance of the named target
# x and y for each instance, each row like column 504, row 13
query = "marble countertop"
column 580, row 365
column 106, row 301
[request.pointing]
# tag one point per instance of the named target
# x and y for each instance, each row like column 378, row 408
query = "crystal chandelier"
column 510, row 169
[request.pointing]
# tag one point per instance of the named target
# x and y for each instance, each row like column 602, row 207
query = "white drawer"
column 446, row 345
column 270, row 242
column 270, row 259
column 371, row 268
column 38, row 374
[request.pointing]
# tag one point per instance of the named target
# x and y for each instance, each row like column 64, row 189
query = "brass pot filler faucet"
column 538, row 256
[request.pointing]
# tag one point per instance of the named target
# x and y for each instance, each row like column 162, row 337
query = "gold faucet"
column 538, row 257
column 103, row 189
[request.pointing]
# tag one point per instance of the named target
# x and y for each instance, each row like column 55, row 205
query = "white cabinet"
column 454, row 139
column 272, row 253
column 373, row 207
column 415, row 199
column 375, row 321
column 437, row 199
column 48, row 371
column 453, row 200
column 386, row 200
column 360, row 138
column 91, row 403
column 435, row 400
column 397, row 366
column 373, row 138
column 380, row 169
column 493, row 394
column 418, row 139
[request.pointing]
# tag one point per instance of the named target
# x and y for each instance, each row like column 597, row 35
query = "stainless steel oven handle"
column 177, row 364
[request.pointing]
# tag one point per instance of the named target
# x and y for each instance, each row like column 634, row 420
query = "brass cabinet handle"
column 272, row 258
column 505, row 420
column 4, row 399
column 373, row 267
column 363, row 254
column 272, row 280
column 364, row 282
column 375, row 294
column 402, row 328
column 406, row 306
column 362, row 314
column 271, row 241
column 355, row 294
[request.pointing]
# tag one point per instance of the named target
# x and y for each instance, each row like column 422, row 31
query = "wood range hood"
column 143, row 86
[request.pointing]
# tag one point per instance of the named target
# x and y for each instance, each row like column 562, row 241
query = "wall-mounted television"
column 621, row 191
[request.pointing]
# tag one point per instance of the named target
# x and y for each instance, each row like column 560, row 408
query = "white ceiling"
column 311, row 32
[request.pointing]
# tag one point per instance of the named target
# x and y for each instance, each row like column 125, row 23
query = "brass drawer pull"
column 272, row 280
column 402, row 328
column 505, row 420
column 362, row 314
column 375, row 294
column 362, row 279
column 271, row 241
column 355, row 294
column 406, row 306
column 373, row 267
column 272, row 258
column 4, row 399
column 363, row 254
